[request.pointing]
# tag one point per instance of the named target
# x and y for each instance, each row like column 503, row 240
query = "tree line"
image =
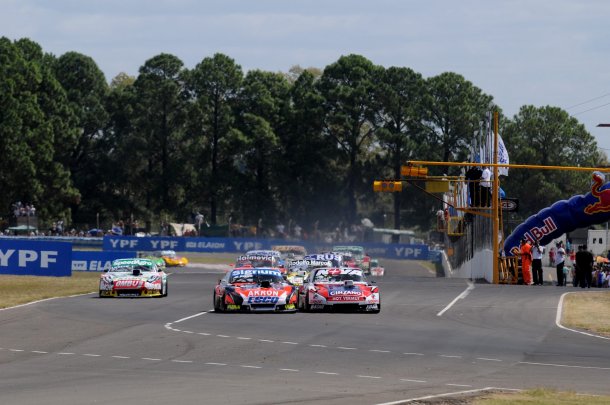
column 255, row 146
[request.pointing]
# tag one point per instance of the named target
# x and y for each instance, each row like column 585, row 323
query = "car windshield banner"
column 35, row 258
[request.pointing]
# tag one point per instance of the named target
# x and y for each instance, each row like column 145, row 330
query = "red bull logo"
column 603, row 196
column 536, row 233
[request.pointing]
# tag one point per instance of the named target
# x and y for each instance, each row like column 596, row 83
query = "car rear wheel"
column 220, row 306
column 306, row 305
column 164, row 290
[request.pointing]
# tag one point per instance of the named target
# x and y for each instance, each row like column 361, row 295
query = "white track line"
column 461, row 296
column 558, row 320
column 448, row 394
column 563, row 365
column 46, row 299
column 189, row 317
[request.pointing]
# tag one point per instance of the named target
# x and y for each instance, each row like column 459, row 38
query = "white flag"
column 502, row 157
column 502, row 153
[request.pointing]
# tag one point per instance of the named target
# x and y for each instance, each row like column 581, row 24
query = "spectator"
column 560, row 257
column 584, row 269
column 280, row 230
column 526, row 261
column 486, row 187
column 297, row 231
column 537, row 253
column 473, row 178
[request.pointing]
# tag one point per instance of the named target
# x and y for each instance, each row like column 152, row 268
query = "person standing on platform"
column 560, row 257
column 537, row 253
column 485, row 187
column 526, row 261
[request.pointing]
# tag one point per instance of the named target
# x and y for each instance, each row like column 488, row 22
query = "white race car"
column 133, row 278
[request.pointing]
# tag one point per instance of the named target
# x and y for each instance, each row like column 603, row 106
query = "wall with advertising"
column 96, row 260
column 35, row 258
column 241, row 245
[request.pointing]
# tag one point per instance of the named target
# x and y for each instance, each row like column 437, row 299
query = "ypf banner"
column 35, row 258
column 91, row 260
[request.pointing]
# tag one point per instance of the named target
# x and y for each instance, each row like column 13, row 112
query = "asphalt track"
column 433, row 336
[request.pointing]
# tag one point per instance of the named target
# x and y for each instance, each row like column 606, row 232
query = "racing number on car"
column 262, row 300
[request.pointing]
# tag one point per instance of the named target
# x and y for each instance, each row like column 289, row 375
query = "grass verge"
column 538, row 397
column 15, row 290
column 587, row 311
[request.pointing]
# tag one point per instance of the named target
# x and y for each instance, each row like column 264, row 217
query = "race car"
column 255, row 260
column 171, row 259
column 357, row 254
column 133, row 278
column 299, row 269
column 255, row 290
column 336, row 259
column 290, row 252
column 339, row 288
column 156, row 259
column 376, row 268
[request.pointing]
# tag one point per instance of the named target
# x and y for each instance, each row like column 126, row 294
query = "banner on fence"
column 95, row 260
column 35, row 258
column 240, row 245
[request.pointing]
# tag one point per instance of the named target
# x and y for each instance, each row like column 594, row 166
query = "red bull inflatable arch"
column 564, row 216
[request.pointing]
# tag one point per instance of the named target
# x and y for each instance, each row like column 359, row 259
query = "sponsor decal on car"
column 127, row 283
column 263, row 300
column 263, row 293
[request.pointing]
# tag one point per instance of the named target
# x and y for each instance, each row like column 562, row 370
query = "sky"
column 521, row 52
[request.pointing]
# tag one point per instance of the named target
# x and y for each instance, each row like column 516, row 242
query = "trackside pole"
column 494, row 204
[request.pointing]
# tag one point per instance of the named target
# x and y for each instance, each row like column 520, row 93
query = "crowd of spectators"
column 24, row 210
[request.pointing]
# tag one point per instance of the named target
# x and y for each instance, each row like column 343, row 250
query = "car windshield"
column 130, row 268
column 256, row 261
column 338, row 275
column 356, row 252
column 256, row 276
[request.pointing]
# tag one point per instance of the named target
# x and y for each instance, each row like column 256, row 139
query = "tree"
column 87, row 91
column 263, row 106
column 347, row 86
column 159, row 128
column 455, row 107
column 215, row 83
column 306, row 169
column 36, row 124
column 400, row 94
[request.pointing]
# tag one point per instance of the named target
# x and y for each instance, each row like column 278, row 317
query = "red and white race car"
column 255, row 290
column 376, row 269
column 339, row 287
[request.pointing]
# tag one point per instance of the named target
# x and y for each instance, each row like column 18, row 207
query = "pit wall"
column 480, row 266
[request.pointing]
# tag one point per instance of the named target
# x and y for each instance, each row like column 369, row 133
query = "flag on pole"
column 502, row 157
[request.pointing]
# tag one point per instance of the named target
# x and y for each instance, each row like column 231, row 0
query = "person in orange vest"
column 526, row 261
